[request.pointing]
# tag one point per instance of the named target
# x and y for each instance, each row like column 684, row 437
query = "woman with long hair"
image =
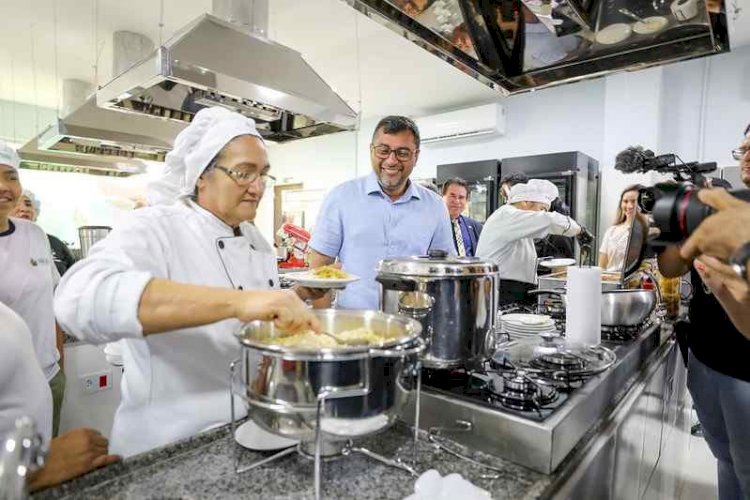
column 615, row 240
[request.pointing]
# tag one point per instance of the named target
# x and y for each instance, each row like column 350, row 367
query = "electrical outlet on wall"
column 96, row 382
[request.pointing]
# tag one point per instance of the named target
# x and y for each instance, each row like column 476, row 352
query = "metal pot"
column 89, row 235
column 360, row 389
column 454, row 298
column 619, row 307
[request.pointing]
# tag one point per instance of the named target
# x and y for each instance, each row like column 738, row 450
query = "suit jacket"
column 475, row 229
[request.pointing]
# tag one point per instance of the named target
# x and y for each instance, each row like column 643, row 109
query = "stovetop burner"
column 517, row 393
column 623, row 333
column 520, row 392
column 560, row 361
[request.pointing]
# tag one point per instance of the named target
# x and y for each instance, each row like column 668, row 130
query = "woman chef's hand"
column 283, row 307
column 71, row 455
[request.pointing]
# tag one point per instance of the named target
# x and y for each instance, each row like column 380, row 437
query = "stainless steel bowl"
column 627, row 307
column 361, row 389
column 619, row 307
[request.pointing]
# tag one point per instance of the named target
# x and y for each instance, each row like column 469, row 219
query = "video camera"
column 675, row 207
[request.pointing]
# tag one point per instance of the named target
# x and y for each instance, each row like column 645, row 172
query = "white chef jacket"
column 28, row 280
column 508, row 239
column 24, row 390
column 175, row 384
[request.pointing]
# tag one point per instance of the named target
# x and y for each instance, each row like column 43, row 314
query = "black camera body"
column 676, row 209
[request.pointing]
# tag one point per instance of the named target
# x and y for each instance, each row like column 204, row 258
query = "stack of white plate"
column 527, row 325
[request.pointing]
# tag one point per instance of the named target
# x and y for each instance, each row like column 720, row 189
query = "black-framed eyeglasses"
column 740, row 152
column 244, row 179
column 402, row 154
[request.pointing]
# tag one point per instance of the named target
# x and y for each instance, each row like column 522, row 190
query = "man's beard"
column 390, row 184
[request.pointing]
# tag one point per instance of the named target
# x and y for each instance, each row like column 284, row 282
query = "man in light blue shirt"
column 381, row 215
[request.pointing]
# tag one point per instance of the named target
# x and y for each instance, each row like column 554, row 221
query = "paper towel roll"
column 583, row 313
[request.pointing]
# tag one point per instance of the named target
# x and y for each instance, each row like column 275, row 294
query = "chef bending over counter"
column 508, row 236
column 191, row 267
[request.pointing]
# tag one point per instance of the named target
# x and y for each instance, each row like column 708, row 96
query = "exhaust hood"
column 211, row 62
column 90, row 130
column 515, row 46
column 35, row 158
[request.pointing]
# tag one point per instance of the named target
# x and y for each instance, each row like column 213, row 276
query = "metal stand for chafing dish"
column 238, row 388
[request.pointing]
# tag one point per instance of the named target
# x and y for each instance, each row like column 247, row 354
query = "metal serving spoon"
column 631, row 15
column 351, row 343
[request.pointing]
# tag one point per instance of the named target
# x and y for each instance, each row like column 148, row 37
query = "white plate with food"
column 323, row 277
column 252, row 437
column 614, row 33
column 553, row 263
column 650, row 25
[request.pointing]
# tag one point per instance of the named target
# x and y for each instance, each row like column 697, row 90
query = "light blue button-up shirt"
column 361, row 225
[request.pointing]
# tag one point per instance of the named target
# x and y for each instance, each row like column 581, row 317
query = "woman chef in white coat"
column 508, row 236
column 190, row 269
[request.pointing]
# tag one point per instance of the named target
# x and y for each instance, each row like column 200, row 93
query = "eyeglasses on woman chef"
column 244, row 178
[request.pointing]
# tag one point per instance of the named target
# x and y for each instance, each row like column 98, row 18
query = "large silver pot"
column 630, row 307
column 454, row 298
column 90, row 235
column 361, row 389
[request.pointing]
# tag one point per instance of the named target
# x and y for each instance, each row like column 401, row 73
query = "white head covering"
column 34, row 200
column 194, row 147
column 9, row 157
column 536, row 190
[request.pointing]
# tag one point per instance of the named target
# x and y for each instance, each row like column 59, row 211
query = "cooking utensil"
column 363, row 387
column 351, row 342
column 619, row 307
column 626, row 12
column 454, row 298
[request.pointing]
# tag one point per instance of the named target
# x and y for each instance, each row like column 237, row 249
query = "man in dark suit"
column 465, row 229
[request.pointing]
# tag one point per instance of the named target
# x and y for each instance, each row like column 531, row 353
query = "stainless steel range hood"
column 35, row 158
column 515, row 46
column 90, row 130
column 211, row 62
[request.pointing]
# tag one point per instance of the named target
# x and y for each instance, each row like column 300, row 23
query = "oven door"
column 482, row 200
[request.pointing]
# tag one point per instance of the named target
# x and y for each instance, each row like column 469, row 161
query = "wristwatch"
column 738, row 260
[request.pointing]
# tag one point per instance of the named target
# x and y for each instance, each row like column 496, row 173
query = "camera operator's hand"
column 721, row 233
column 585, row 238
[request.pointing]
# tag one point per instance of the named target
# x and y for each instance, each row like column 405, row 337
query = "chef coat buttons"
column 252, row 246
column 221, row 244
column 270, row 282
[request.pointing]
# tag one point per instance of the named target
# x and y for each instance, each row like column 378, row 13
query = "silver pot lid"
column 437, row 264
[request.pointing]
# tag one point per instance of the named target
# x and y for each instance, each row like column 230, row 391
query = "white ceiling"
column 375, row 70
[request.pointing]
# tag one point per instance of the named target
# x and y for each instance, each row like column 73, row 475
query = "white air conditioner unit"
column 469, row 122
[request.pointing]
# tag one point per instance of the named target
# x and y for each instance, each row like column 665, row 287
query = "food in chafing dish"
column 310, row 339
column 329, row 273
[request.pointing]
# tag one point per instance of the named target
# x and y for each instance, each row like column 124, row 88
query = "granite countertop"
column 202, row 467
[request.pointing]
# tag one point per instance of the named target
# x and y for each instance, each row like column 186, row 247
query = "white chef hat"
column 9, row 157
column 34, row 200
column 194, row 148
column 536, row 190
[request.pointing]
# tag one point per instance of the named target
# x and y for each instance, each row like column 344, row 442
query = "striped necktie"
column 459, row 238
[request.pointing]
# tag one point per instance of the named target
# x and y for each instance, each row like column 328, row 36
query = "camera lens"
column 674, row 207
column 647, row 199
